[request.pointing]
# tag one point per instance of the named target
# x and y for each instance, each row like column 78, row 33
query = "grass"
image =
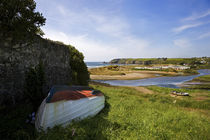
column 205, row 78
column 109, row 70
column 204, row 82
column 131, row 114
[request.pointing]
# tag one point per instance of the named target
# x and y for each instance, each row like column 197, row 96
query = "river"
column 171, row 82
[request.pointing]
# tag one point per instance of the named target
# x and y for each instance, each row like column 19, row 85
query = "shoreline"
column 201, row 82
column 146, row 75
column 134, row 75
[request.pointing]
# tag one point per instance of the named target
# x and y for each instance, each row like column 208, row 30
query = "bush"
column 113, row 68
column 190, row 71
column 80, row 74
column 34, row 83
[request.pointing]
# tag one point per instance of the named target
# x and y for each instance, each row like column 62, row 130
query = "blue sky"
column 107, row 29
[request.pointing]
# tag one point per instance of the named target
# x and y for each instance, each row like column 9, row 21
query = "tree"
column 19, row 21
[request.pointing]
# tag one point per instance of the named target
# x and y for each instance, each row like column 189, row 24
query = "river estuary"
column 171, row 82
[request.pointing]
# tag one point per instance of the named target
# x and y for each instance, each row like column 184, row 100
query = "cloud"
column 187, row 26
column 113, row 27
column 183, row 43
column 96, row 50
column 193, row 18
column 102, row 31
column 205, row 35
column 197, row 16
column 98, row 35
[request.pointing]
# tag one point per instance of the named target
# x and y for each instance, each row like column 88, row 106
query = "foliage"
column 80, row 74
column 34, row 83
column 19, row 21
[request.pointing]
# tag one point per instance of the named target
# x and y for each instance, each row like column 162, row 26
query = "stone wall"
column 15, row 60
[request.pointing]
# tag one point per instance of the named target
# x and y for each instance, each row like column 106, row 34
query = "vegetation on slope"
column 131, row 114
column 203, row 62
column 204, row 78
column 202, row 82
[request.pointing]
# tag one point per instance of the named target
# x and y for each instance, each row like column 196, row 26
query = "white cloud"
column 205, row 35
column 187, row 26
column 197, row 16
column 193, row 18
column 103, row 33
column 183, row 43
column 95, row 26
column 95, row 50
column 113, row 27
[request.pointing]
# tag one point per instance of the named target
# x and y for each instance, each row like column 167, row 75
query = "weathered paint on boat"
column 64, row 111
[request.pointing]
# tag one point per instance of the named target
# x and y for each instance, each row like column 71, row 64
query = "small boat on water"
column 180, row 93
column 64, row 104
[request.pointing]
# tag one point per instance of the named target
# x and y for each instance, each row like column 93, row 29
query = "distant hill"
column 177, row 61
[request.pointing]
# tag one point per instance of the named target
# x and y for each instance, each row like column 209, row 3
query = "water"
column 96, row 64
column 100, row 64
column 171, row 82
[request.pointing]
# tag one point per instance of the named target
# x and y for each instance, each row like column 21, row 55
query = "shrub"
column 80, row 74
column 34, row 83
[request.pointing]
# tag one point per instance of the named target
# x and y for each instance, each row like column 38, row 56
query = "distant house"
column 202, row 61
column 164, row 67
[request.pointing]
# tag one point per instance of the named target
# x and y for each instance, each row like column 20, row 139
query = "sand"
column 132, row 75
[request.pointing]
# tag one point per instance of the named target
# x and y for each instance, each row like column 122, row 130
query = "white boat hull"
column 63, row 112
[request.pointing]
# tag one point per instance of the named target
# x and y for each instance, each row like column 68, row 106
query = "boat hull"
column 63, row 112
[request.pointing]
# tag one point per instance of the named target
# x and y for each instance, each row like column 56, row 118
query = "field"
column 130, row 113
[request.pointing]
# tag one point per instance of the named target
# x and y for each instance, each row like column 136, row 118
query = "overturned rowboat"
column 64, row 104
column 180, row 93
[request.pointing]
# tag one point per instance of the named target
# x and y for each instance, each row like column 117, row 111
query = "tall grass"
column 130, row 114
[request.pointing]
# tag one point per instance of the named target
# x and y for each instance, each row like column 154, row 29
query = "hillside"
column 177, row 61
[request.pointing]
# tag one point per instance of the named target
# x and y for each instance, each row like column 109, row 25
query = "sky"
column 106, row 29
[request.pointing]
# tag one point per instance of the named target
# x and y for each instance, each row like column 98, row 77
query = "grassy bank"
column 133, row 113
column 205, row 78
column 202, row 82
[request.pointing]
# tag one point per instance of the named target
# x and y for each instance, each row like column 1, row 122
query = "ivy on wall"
column 34, row 84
